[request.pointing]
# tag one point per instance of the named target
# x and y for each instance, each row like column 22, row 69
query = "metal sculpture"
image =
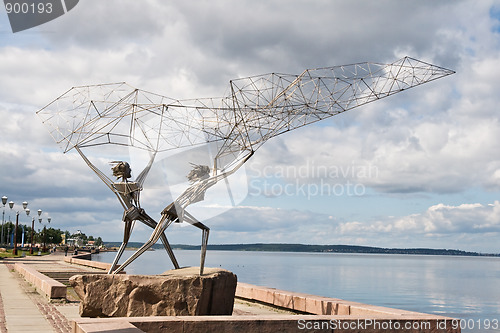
column 255, row 110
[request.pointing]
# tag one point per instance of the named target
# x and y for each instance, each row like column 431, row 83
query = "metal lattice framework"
column 255, row 110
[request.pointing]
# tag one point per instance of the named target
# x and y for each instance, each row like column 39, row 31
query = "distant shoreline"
column 316, row 248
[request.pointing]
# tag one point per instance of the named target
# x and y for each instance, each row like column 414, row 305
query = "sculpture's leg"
column 204, row 243
column 147, row 220
column 167, row 247
column 126, row 236
column 158, row 231
column 204, row 236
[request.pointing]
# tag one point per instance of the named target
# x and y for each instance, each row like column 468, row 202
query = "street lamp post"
column 44, row 249
column 39, row 217
column 14, row 252
column 27, row 210
column 11, row 205
column 4, row 201
column 44, row 230
column 48, row 220
column 25, row 205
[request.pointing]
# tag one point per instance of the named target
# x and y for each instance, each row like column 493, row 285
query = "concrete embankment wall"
column 44, row 284
column 85, row 259
column 315, row 313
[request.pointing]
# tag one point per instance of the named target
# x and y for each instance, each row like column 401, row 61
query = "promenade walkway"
column 256, row 309
column 22, row 309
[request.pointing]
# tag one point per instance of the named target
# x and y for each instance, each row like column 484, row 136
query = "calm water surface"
column 460, row 287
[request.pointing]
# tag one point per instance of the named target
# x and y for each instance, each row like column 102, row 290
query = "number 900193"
column 28, row 8
column 481, row 324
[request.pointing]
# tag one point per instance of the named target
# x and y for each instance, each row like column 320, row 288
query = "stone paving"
column 19, row 311
column 22, row 309
column 3, row 326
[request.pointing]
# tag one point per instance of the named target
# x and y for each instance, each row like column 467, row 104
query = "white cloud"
column 440, row 226
column 435, row 224
column 436, row 140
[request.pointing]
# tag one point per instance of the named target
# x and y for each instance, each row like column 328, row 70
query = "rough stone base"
column 177, row 292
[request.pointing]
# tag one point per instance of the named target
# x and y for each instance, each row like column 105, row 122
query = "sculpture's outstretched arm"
column 144, row 173
column 195, row 192
column 103, row 177
column 141, row 179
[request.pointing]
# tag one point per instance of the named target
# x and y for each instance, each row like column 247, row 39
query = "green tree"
column 9, row 231
column 53, row 236
column 80, row 235
column 49, row 236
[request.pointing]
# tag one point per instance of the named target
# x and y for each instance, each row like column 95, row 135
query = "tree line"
column 279, row 247
column 48, row 235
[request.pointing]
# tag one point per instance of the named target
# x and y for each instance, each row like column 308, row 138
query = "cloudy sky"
column 419, row 169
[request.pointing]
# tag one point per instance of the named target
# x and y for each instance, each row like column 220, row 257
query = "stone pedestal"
column 177, row 292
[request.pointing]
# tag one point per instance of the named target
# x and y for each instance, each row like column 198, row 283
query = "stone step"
column 63, row 277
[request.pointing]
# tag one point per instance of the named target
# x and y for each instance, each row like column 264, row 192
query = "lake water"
column 461, row 287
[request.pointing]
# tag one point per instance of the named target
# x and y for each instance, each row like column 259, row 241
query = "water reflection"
column 464, row 287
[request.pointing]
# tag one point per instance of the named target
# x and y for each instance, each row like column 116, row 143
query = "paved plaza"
column 22, row 309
